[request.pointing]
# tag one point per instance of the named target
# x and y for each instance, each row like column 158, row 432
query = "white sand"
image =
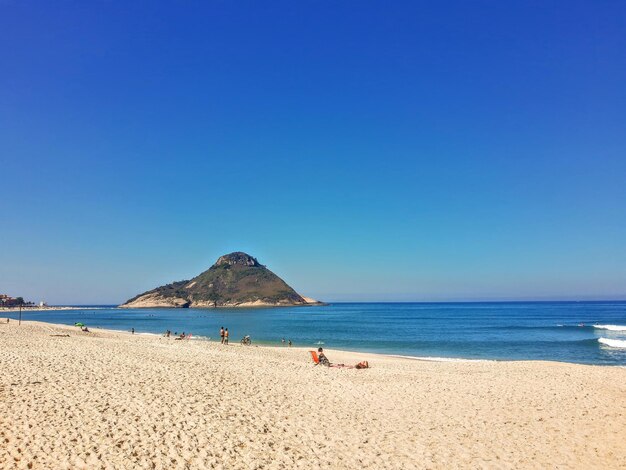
column 46, row 308
column 113, row 400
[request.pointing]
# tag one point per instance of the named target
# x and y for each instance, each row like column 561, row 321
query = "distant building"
column 8, row 301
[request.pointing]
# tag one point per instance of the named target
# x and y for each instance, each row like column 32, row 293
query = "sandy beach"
column 45, row 309
column 114, row 400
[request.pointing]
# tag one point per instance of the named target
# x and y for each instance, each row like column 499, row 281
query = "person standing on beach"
column 226, row 336
column 289, row 343
column 222, row 335
column 132, row 331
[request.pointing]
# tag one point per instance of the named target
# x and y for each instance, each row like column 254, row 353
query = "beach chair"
column 316, row 359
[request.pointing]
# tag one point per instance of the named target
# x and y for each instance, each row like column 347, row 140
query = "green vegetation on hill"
column 175, row 289
column 234, row 279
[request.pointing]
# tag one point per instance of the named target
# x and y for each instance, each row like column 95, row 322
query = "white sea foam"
column 613, row 343
column 439, row 359
column 611, row 327
column 200, row 337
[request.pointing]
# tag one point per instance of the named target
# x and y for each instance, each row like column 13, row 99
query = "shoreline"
column 48, row 308
column 274, row 347
column 246, row 305
column 268, row 345
column 263, row 344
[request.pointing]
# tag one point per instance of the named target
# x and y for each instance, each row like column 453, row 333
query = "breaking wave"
column 613, row 343
column 611, row 327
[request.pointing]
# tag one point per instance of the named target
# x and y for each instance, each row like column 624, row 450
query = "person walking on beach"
column 222, row 335
column 226, row 336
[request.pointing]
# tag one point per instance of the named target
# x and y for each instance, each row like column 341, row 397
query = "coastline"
column 268, row 344
column 256, row 304
column 48, row 308
column 272, row 344
column 112, row 398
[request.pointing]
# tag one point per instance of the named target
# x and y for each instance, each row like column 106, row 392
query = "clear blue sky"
column 362, row 150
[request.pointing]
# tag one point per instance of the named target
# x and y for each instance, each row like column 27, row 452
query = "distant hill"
column 235, row 280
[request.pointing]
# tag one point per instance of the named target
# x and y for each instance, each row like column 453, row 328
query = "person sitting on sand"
column 323, row 360
column 322, row 357
column 85, row 329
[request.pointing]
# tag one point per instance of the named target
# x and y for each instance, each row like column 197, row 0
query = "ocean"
column 579, row 332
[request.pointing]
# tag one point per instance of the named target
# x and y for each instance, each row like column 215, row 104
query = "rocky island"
column 235, row 280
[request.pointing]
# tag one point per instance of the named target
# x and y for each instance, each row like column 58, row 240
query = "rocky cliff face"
column 237, row 258
column 235, row 280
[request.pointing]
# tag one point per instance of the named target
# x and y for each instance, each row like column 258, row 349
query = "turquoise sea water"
column 516, row 330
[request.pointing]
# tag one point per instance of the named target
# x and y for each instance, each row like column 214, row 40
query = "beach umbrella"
column 79, row 324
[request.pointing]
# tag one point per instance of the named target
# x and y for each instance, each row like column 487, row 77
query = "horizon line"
column 391, row 302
